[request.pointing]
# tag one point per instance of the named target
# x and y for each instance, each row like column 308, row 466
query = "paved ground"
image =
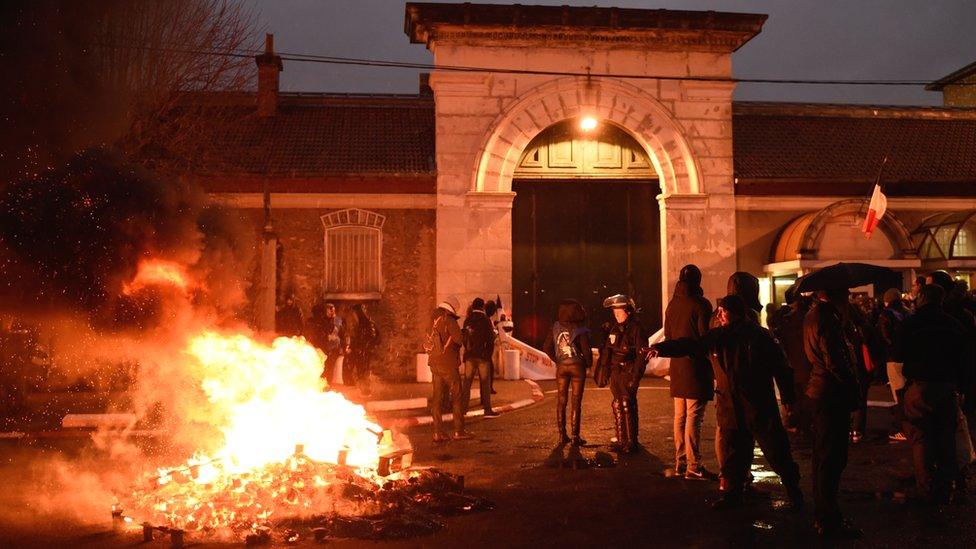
column 634, row 503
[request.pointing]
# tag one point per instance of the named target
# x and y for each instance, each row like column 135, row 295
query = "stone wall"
column 402, row 314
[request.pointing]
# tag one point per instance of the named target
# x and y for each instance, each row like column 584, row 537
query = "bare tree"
column 167, row 57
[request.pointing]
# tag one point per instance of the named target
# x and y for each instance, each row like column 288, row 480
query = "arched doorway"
column 585, row 225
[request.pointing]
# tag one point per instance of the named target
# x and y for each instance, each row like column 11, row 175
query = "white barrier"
column 533, row 363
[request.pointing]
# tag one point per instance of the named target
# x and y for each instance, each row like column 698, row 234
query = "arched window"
column 353, row 254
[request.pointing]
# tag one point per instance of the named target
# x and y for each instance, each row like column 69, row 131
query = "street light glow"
column 587, row 123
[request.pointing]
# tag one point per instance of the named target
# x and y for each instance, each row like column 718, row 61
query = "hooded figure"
column 692, row 381
column 747, row 360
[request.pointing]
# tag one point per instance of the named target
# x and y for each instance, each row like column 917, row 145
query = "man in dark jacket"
column 931, row 345
column 444, row 348
column 687, row 316
column 889, row 323
column 746, row 359
column 624, row 352
column 831, row 345
column 789, row 332
column 479, row 344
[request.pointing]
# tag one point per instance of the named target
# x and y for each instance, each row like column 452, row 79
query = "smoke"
column 74, row 238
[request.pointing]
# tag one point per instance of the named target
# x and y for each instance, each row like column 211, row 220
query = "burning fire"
column 156, row 272
column 287, row 443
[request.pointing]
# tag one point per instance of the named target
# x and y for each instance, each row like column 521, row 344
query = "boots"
column 577, row 440
column 629, row 413
column 561, row 415
column 618, row 426
column 561, row 424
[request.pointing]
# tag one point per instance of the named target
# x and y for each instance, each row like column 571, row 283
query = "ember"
column 158, row 272
column 288, row 448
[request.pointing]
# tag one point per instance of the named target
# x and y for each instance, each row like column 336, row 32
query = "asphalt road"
column 512, row 460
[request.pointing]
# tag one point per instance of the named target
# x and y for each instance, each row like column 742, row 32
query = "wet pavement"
column 546, row 496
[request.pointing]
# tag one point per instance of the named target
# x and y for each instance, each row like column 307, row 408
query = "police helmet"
column 620, row 301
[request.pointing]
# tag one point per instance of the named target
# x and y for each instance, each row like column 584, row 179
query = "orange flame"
column 282, row 433
column 158, row 272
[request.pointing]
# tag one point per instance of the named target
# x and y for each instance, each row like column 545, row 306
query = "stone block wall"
column 402, row 315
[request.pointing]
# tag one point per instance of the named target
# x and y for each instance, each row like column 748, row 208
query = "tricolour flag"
column 876, row 210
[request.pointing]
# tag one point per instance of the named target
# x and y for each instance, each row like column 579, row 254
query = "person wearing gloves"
column 624, row 352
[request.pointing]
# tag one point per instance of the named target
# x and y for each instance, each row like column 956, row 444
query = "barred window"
column 353, row 254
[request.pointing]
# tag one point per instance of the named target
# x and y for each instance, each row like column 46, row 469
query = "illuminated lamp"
column 588, row 123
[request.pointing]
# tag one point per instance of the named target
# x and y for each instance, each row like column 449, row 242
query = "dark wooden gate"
column 583, row 239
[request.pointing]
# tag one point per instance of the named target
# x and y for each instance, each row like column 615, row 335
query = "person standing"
column 288, row 318
column 624, row 353
column 568, row 345
column 789, row 332
column 444, row 347
column 834, row 390
column 324, row 331
column 930, row 344
column 889, row 323
column 479, row 343
column 363, row 337
column 747, row 359
column 692, row 382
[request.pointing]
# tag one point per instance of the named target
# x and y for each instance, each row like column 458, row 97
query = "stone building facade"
column 588, row 145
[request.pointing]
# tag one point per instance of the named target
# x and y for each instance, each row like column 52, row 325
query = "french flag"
column 876, row 210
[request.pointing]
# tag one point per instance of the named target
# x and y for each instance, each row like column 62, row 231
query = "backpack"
column 479, row 337
column 565, row 343
column 433, row 344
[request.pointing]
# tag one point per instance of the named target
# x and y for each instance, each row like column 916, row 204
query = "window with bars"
column 353, row 254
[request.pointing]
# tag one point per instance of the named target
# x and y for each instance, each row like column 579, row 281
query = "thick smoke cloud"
column 74, row 236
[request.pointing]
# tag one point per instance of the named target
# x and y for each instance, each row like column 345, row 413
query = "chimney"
column 269, row 65
column 425, row 89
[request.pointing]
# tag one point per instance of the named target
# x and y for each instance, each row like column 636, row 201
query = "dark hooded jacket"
column 833, row 348
column 789, row 332
column 746, row 359
column 687, row 316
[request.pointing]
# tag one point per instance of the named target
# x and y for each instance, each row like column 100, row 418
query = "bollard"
column 118, row 519
column 512, row 359
column 424, row 375
column 176, row 538
column 147, row 532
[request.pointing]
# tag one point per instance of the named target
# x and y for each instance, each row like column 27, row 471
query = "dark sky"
column 809, row 39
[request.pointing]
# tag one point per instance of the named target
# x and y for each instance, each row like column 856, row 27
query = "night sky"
column 810, row 39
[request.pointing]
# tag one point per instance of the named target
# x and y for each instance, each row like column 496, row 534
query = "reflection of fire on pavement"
column 294, row 460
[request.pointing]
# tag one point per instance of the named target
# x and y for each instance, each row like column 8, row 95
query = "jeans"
column 481, row 367
column 688, row 417
column 446, row 380
column 736, row 448
column 896, row 381
column 933, row 414
column 831, row 421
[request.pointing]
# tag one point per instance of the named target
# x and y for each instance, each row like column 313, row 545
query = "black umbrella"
column 842, row 276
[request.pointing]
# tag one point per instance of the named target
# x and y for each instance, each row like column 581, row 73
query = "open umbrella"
column 842, row 276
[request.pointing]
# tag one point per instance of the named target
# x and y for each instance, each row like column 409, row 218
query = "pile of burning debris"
column 295, row 460
column 297, row 500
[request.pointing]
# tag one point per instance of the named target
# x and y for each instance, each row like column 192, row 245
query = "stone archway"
column 621, row 103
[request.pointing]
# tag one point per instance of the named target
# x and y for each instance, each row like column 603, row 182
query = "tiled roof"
column 839, row 148
column 314, row 135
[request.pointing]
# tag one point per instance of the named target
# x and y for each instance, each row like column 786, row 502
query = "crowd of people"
column 352, row 336
column 817, row 360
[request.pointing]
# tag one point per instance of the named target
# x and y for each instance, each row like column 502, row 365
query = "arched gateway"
column 659, row 76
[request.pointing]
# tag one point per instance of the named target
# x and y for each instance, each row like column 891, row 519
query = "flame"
column 156, row 272
column 286, row 439
column 273, row 398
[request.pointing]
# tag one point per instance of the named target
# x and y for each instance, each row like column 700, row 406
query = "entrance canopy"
column 824, row 237
column 947, row 237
